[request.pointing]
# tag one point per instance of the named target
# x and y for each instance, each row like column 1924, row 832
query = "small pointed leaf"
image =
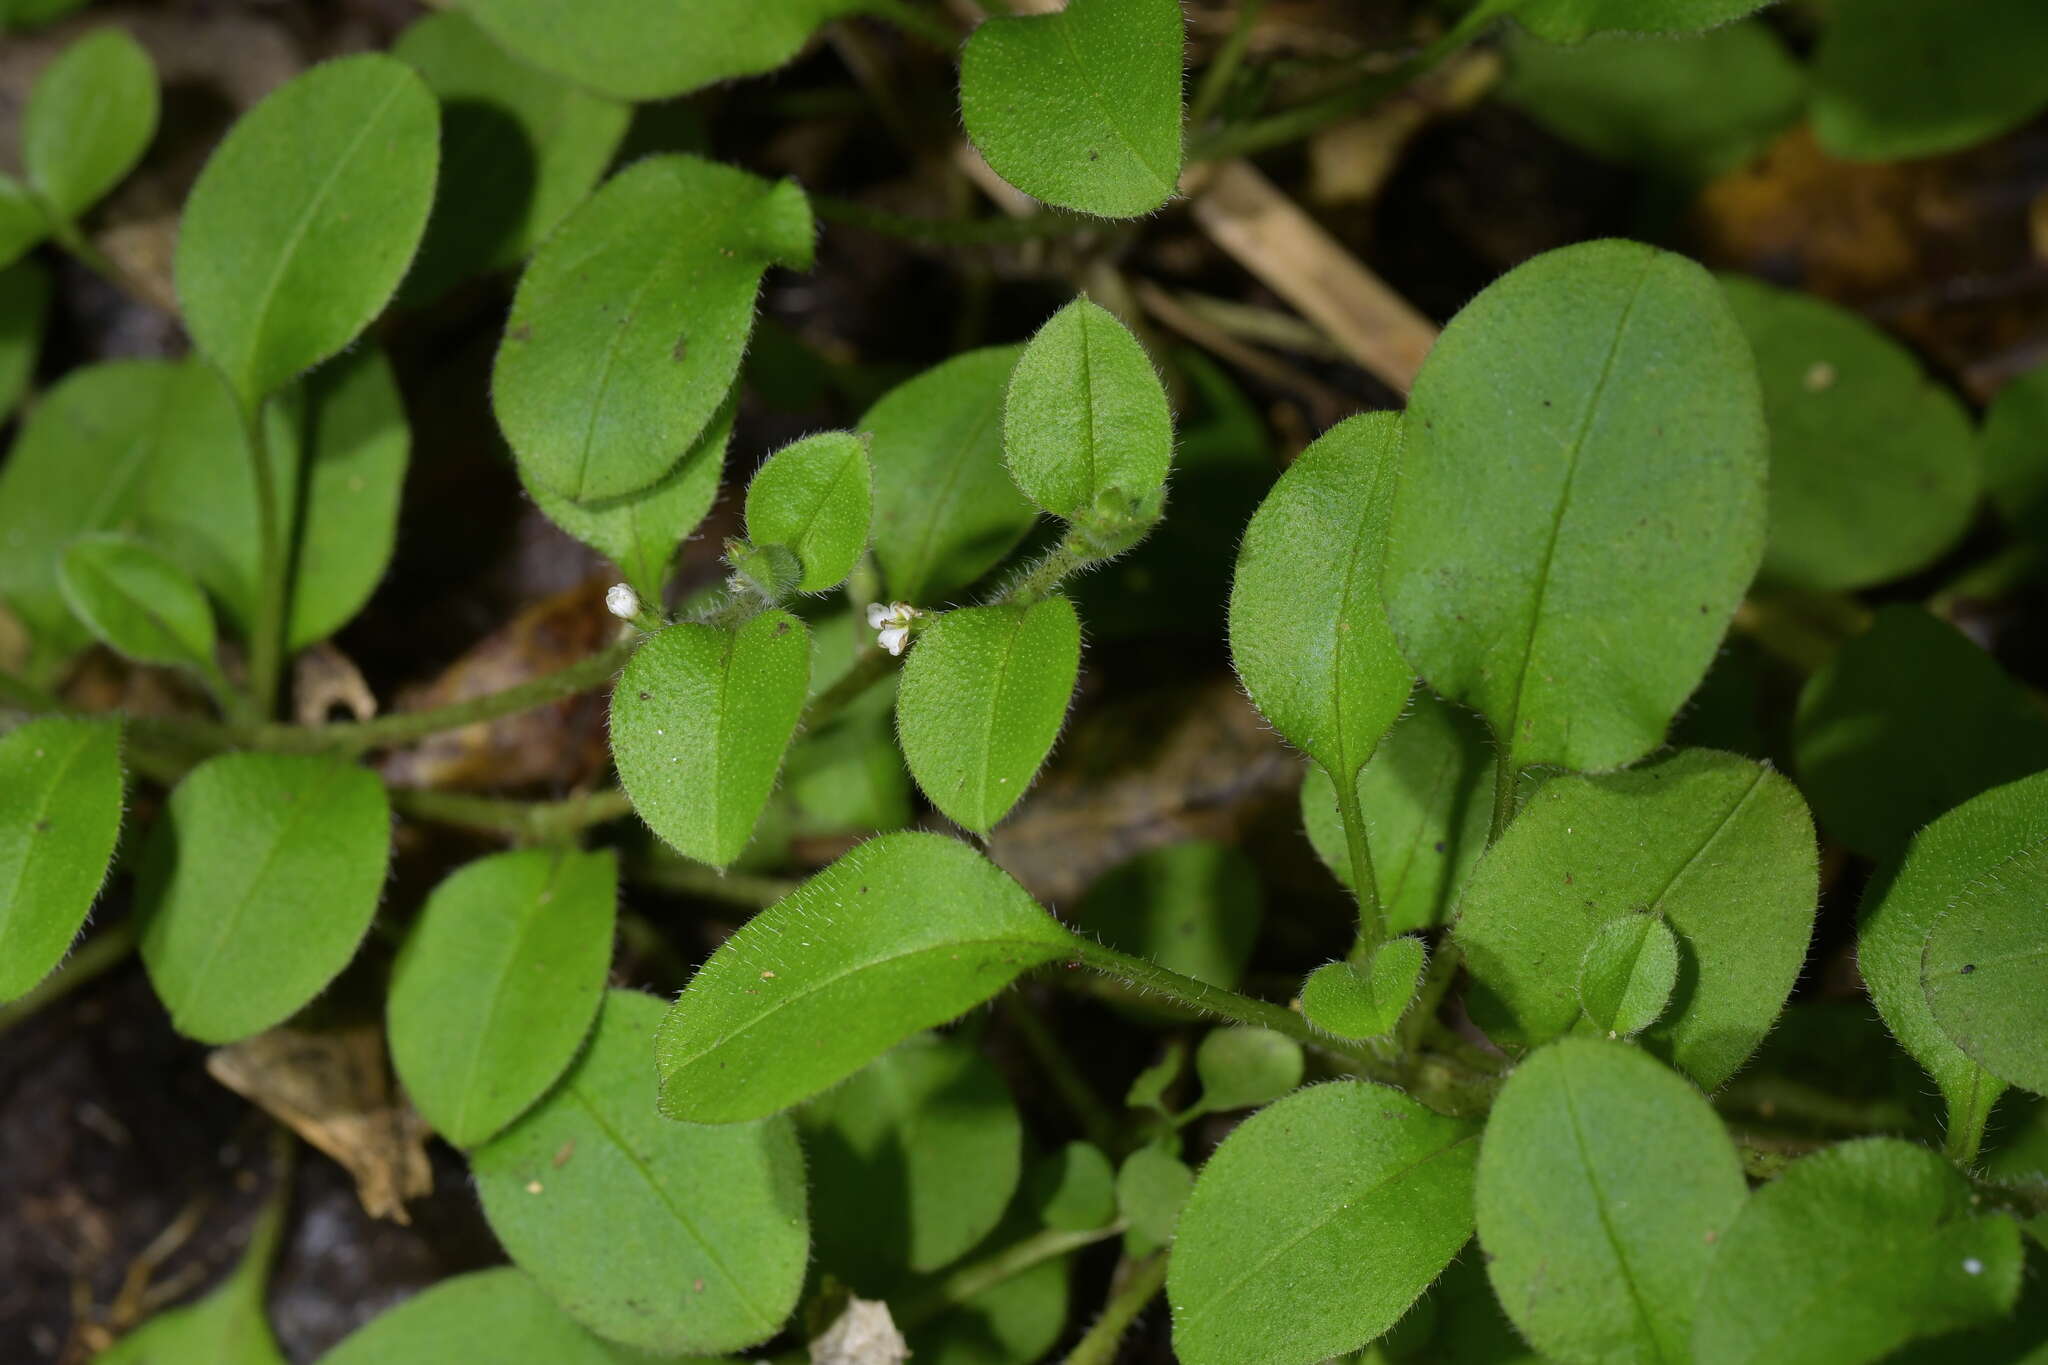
column 1086, row 417
column 60, row 813
column 904, row 932
column 816, row 497
column 1627, row 974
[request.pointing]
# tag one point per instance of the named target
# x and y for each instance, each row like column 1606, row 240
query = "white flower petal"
column 895, row 638
column 621, row 601
column 877, row 614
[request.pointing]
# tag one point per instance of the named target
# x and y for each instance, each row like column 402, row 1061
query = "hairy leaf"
column 815, row 497
column 1604, row 1181
column 1316, row 1224
column 700, row 720
column 981, row 701
column 1895, row 79
column 303, row 222
column 904, row 932
column 1628, row 973
column 1851, row 1253
column 1721, row 848
column 499, row 1315
column 497, row 984
column 667, row 1237
column 1985, row 969
column 1365, row 1001
column 357, row 443
column 138, row 602
column 1581, row 503
column 88, row 121
column 1085, row 418
column 630, row 320
column 1080, row 108
column 256, row 887
column 60, row 813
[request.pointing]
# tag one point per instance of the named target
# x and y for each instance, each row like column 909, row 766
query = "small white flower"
column 892, row 624
column 621, row 601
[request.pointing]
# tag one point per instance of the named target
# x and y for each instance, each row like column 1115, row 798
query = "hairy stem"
column 1141, row 1283
column 1372, row 924
column 528, row 821
column 1505, row 776
column 1965, row 1136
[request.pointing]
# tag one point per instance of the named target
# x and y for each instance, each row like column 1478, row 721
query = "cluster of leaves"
column 1478, row 619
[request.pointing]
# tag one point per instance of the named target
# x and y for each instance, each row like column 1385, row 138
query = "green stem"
column 1077, row 552
column 1223, row 69
column 1505, row 776
column 1204, row 998
column 1965, row 1136
column 1095, row 1118
column 1012, row 1261
column 1372, row 925
column 1140, row 1286
column 98, row 955
column 266, row 643
column 953, row 231
column 528, row 821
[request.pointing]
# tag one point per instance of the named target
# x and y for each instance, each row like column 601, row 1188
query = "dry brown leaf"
column 333, row 1088
column 324, row 678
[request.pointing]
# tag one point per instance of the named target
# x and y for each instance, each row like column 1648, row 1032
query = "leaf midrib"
column 527, row 925
column 41, row 813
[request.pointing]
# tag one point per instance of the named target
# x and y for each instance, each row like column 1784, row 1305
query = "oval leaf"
column 904, row 932
column 700, row 720
column 1080, row 108
column 138, row 602
column 498, row 1315
column 1085, row 418
column 1308, row 634
column 1896, row 79
column 60, row 813
column 357, row 444
column 1873, row 465
column 520, row 148
column 257, row 886
column 1964, row 854
column 1244, row 1066
column 305, row 219
column 1851, row 1253
column 1720, row 847
column 981, row 700
column 630, row 321
column 1985, row 970
column 815, row 497
column 1365, row 1002
column 89, row 119
column 658, row 1235
column 1604, row 1182
column 497, row 984
column 637, row 51
column 945, row 509
column 1316, row 1224
column 1627, row 974
column 1152, row 1187
column 1581, row 503
column 912, row 1162
column 1074, row 1189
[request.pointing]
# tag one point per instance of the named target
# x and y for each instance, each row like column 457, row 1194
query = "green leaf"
column 1581, row 503
column 1191, row 907
column 1243, row 1067
column 912, row 1162
column 1874, row 468
column 1569, row 21
column 815, row 496
column 981, row 701
column 22, row 223
column 1982, row 970
column 1628, row 973
column 1909, row 720
column 1012, row 1322
column 2015, row 444
column 700, row 720
column 1074, row 1188
column 228, row 1326
column 1426, row 796
column 848, row 778
column 945, row 508
column 1367, row 1001
column 357, row 443
column 24, row 307
column 1721, row 848
column 138, row 602
column 1967, row 853
column 89, row 119
column 498, row 1315
column 1316, row 1224
column 904, row 932
column 1604, row 1182
column 60, row 813
column 1851, row 1253
column 1149, row 1087
column 305, row 219
column 1152, row 1187
column 1080, row 108
column 256, row 887
column 640, row 532
column 637, row 51
column 520, row 148
column 1308, row 634
column 630, row 320
column 497, row 984
column 1085, row 418
column 1895, row 79
column 667, row 1237
column 1684, row 111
